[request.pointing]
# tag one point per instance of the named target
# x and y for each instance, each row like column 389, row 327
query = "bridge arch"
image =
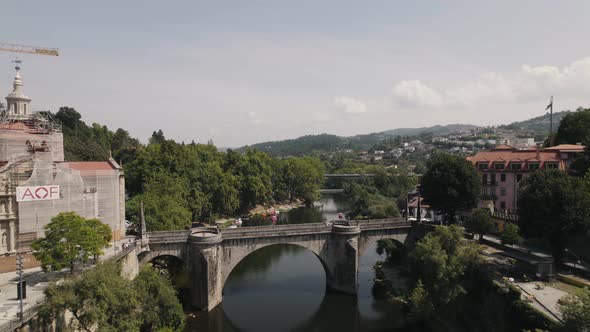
column 146, row 256
column 235, row 258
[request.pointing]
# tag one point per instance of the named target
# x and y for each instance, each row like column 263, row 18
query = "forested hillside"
column 95, row 142
column 315, row 144
column 539, row 124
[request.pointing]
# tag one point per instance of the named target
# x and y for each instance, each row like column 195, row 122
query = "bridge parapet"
column 205, row 235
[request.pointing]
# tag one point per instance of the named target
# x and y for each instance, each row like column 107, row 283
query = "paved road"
column 545, row 299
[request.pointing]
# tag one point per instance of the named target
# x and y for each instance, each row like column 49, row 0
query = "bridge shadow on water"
column 283, row 288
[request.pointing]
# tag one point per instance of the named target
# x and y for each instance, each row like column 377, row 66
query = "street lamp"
column 578, row 260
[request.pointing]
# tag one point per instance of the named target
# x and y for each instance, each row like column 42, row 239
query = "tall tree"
column 441, row 259
column 450, row 184
column 553, row 205
column 479, row 222
column 166, row 207
column 68, row 238
column 510, row 235
column 575, row 128
column 159, row 305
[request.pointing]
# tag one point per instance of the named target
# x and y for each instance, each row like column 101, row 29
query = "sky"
column 242, row 72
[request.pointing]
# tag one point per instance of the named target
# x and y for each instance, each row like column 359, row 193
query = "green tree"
column 165, row 204
column 159, row 306
column 69, row 237
column 450, row 184
column 303, row 178
column 98, row 298
column 393, row 249
column 421, row 308
column 553, row 205
column 479, row 222
column 441, row 259
column 575, row 128
column 157, row 137
column 510, row 235
column 576, row 311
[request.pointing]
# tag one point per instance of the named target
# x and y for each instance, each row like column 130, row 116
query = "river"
column 283, row 288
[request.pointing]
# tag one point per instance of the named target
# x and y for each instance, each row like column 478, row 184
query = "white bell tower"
column 17, row 104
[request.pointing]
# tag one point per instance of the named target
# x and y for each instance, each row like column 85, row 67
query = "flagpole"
column 551, row 140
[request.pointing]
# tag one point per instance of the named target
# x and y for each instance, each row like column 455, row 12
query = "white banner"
column 38, row 193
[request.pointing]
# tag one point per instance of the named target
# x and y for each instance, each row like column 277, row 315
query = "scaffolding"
column 91, row 193
column 21, row 137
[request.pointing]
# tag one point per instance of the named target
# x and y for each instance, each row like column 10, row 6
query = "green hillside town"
column 295, row 166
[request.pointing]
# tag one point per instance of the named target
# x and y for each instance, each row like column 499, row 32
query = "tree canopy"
column 450, row 184
column 575, row 128
column 510, row 235
column 576, row 311
column 68, row 238
column 553, row 205
column 479, row 222
column 441, row 259
column 183, row 183
column 95, row 142
column 100, row 299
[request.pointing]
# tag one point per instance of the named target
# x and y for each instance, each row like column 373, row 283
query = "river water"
column 283, row 288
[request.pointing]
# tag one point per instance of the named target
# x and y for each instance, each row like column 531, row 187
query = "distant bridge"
column 331, row 191
column 350, row 175
column 211, row 254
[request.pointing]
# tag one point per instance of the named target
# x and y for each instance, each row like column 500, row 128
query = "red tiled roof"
column 502, row 147
column 514, row 155
column 414, row 203
column 566, row 148
column 89, row 165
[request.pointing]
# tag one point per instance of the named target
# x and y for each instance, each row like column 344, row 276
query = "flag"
column 550, row 104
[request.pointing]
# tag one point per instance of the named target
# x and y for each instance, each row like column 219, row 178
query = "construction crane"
column 29, row 49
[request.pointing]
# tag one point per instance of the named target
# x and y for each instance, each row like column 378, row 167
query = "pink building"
column 504, row 167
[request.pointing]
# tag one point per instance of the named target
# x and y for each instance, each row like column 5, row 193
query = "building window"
column 482, row 166
column 503, row 205
column 533, row 166
column 502, row 191
column 518, row 177
column 499, row 165
column 484, row 179
column 25, row 109
column 515, row 166
column 492, row 178
column 503, row 177
column 551, row 165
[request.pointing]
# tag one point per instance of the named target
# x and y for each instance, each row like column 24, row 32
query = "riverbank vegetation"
column 381, row 196
column 451, row 290
column 101, row 299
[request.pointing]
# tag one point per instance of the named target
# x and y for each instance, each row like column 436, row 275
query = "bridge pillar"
column 341, row 257
column 204, row 266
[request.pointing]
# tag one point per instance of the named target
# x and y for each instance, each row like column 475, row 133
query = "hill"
column 539, row 125
column 330, row 143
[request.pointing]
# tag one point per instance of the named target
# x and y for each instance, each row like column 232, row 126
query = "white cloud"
column 254, row 118
column 350, row 105
column 529, row 83
column 414, row 93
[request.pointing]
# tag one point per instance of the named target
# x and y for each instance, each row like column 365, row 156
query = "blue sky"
column 241, row 72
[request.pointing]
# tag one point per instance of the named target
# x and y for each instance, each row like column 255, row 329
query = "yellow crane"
column 29, row 49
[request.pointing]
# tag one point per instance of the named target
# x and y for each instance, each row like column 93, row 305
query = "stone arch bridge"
column 211, row 254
